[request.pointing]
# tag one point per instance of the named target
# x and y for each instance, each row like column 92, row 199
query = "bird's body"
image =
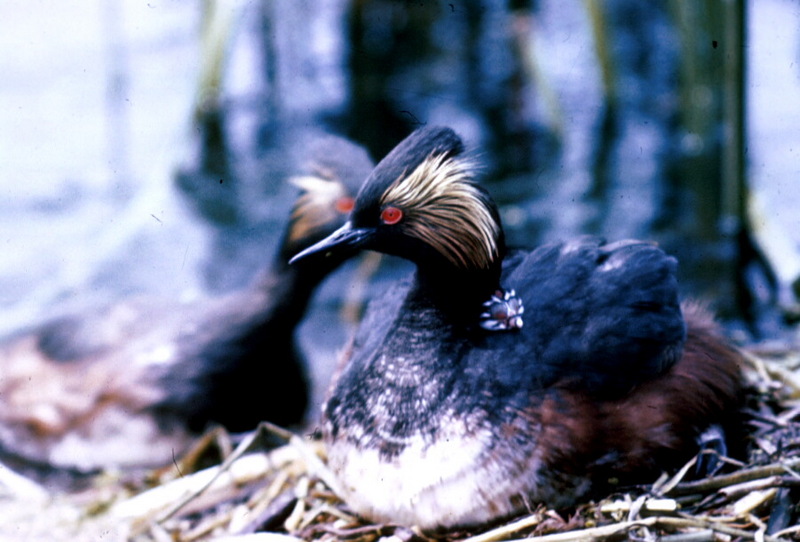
column 440, row 417
column 131, row 384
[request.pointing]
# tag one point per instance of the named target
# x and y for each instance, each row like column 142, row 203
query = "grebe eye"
column 391, row 215
column 345, row 204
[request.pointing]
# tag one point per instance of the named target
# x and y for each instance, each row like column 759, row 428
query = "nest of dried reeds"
column 285, row 493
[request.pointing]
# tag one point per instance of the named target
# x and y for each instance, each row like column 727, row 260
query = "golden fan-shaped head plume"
column 444, row 208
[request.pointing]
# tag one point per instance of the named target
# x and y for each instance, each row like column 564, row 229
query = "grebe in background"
column 132, row 384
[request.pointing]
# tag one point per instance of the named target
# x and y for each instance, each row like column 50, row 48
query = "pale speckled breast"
column 420, row 434
column 468, row 474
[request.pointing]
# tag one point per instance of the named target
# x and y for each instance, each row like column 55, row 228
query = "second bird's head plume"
column 422, row 203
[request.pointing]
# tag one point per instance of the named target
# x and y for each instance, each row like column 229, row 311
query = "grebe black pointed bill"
column 344, row 242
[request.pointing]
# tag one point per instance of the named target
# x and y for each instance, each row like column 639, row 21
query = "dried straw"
column 287, row 493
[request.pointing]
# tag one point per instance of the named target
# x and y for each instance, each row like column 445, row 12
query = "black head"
column 421, row 203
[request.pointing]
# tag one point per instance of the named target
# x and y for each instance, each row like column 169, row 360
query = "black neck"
column 457, row 293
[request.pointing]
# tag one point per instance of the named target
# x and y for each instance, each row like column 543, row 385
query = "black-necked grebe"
column 492, row 378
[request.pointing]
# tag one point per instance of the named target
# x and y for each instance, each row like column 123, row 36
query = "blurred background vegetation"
column 145, row 144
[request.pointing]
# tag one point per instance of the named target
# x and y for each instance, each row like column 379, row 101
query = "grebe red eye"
column 391, row 215
column 345, row 204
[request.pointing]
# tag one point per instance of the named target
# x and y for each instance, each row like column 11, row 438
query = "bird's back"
column 600, row 317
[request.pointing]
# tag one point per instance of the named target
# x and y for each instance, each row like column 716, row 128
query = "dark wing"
column 599, row 316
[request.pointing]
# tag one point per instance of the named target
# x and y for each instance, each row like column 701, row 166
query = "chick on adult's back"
column 491, row 379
